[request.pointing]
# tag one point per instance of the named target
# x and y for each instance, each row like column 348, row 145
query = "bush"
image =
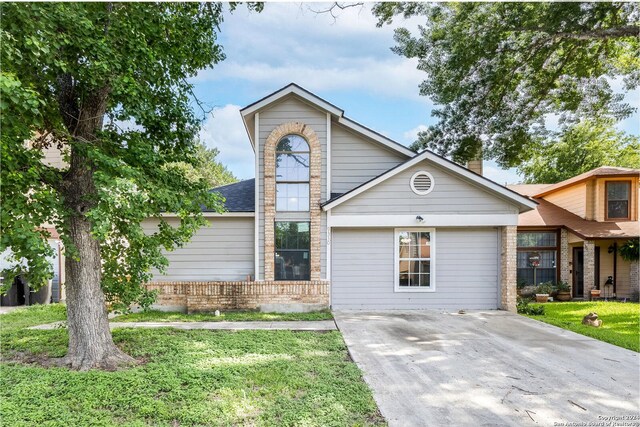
column 524, row 307
column 563, row 286
column 545, row 288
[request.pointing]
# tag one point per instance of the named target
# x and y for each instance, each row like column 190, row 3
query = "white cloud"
column 225, row 131
column 411, row 135
column 290, row 43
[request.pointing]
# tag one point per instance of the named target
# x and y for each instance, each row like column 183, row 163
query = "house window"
column 537, row 257
column 415, row 257
column 292, row 250
column 292, row 174
column 618, row 199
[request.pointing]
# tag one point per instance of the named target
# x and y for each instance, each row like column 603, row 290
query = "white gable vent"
column 422, row 183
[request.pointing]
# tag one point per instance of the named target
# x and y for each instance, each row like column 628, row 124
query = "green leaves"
column 583, row 146
column 73, row 75
column 496, row 70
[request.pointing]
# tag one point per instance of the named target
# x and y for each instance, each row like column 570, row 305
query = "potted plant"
column 595, row 293
column 543, row 291
column 564, row 291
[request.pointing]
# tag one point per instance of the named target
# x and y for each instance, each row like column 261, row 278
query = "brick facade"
column 589, row 272
column 508, row 268
column 634, row 277
column 211, row 296
column 315, row 193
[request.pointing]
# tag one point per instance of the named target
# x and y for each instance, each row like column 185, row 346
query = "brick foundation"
column 211, row 296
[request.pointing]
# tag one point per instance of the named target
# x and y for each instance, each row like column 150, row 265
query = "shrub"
column 545, row 288
column 524, row 307
column 563, row 286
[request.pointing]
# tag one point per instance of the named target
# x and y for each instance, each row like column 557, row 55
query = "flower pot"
column 542, row 297
column 563, row 296
column 595, row 293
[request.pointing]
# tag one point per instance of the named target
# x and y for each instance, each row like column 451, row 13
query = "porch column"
column 589, row 267
column 508, row 268
column 564, row 257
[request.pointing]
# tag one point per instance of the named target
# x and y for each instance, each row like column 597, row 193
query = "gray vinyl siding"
column 466, row 267
column 355, row 160
column 222, row 251
column 450, row 195
column 291, row 109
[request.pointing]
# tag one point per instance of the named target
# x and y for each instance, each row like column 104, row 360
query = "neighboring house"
column 52, row 157
column 574, row 233
column 339, row 215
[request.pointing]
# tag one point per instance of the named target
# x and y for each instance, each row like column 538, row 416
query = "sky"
column 346, row 61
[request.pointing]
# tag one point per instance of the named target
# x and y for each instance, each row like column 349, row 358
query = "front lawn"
column 620, row 321
column 234, row 316
column 186, row 378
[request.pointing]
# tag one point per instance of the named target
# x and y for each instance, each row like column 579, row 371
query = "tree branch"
column 335, row 5
column 603, row 34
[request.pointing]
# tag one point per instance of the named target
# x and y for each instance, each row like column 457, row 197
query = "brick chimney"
column 475, row 165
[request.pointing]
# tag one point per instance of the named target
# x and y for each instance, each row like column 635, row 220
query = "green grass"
column 620, row 321
column 189, row 378
column 234, row 316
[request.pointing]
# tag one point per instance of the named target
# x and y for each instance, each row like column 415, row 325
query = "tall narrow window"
column 292, row 174
column 292, row 251
column 618, row 193
column 415, row 260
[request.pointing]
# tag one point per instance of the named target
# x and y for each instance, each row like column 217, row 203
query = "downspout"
column 615, row 265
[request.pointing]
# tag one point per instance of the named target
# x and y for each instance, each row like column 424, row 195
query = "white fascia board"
column 256, row 206
column 292, row 89
column 355, row 126
column 524, row 203
column 213, row 214
column 428, row 220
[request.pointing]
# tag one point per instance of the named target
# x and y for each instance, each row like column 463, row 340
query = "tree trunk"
column 90, row 341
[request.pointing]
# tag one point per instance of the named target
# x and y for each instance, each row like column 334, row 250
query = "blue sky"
column 348, row 62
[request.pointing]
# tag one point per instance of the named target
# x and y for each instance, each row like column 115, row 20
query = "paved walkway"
column 320, row 325
column 429, row 368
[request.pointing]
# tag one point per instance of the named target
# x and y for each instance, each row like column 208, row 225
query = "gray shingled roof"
column 240, row 196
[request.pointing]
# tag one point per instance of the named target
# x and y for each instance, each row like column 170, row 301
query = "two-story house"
column 576, row 229
column 339, row 215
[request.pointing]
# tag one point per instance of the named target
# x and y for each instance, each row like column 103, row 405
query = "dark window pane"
column 292, row 197
column 617, row 209
column 292, row 250
column 544, row 272
column 618, row 190
column 537, row 239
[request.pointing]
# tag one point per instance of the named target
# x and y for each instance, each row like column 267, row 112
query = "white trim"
column 353, row 125
column 413, row 186
column 432, row 260
column 213, row 214
column 328, row 267
column 328, row 165
column 436, row 220
column 256, row 249
column 523, row 202
column 292, row 89
column 327, row 273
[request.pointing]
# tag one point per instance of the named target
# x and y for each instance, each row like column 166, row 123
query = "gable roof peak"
column 599, row 172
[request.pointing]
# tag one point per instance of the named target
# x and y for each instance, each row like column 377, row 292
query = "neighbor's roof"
column 527, row 189
column 240, row 196
column 523, row 203
column 603, row 171
column 549, row 215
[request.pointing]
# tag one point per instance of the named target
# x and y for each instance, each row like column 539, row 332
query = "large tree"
column 584, row 146
column 497, row 70
column 72, row 75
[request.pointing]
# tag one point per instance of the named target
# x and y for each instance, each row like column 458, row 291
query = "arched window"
column 292, row 174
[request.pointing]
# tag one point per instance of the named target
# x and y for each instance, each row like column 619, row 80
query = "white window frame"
column 432, row 259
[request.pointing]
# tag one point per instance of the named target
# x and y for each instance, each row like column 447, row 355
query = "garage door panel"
column 466, row 270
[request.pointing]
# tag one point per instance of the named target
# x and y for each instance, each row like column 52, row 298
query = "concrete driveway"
column 429, row 368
